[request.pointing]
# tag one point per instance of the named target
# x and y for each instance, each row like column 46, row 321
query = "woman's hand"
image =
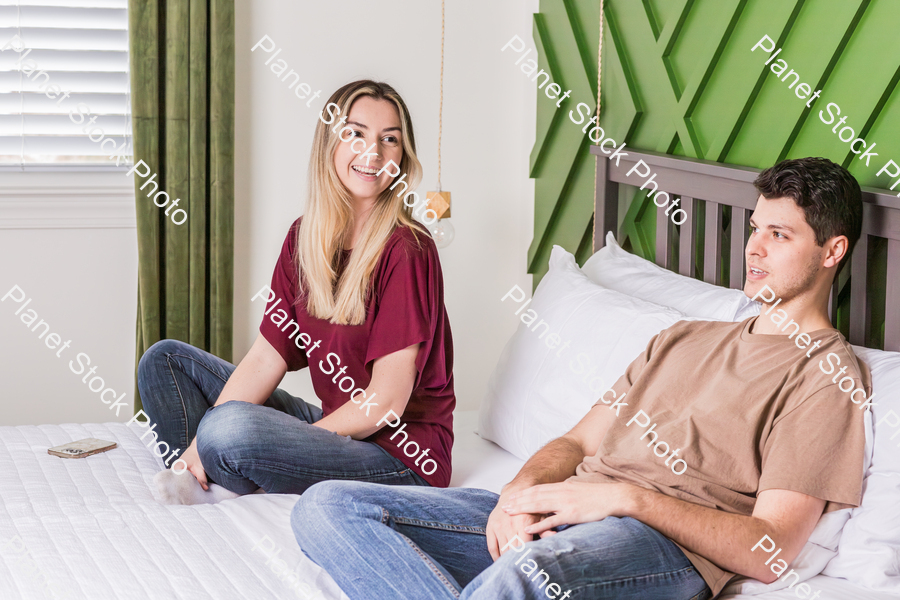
column 194, row 466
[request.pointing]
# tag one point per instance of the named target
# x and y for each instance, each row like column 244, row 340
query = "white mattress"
column 95, row 531
column 92, row 528
column 831, row 588
column 476, row 462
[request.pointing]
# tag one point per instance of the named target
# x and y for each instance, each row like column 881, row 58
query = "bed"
column 101, row 534
column 94, row 528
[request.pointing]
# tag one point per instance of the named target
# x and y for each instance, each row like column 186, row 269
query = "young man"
column 769, row 439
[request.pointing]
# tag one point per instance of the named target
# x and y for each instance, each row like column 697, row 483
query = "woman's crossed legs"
column 246, row 446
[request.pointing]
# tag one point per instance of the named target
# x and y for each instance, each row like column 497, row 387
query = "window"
column 64, row 88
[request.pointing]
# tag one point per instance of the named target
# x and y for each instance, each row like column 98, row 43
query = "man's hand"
column 194, row 466
column 502, row 528
column 569, row 502
column 554, row 462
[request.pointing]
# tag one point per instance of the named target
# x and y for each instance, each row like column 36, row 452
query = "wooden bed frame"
column 716, row 188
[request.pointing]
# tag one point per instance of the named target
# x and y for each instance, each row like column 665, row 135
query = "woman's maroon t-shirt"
column 405, row 306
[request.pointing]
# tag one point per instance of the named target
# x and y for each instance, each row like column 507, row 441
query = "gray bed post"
column 739, row 223
column 686, row 238
column 712, row 243
column 606, row 203
column 892, row 298
column 860, row 315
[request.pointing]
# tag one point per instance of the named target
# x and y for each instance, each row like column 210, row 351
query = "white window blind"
column 74, row 46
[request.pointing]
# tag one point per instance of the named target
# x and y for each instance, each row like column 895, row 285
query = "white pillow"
column 536, row 394
column 624, row 272
column 869, row 550
column 821, row 547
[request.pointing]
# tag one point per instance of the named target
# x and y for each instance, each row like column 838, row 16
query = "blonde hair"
column 329, row 211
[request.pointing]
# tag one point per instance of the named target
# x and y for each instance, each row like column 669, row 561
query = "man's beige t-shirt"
column 749, row 412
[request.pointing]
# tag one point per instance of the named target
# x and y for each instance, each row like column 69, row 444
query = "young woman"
column 357, row 297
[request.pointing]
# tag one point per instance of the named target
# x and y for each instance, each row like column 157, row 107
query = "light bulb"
column 443, row 232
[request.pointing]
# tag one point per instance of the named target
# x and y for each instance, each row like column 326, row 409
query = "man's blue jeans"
column 386, row 543
column 246, row 446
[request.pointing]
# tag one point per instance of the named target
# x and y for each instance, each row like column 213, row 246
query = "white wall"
column 76, row 256
column 488, row 133
column 69, row 241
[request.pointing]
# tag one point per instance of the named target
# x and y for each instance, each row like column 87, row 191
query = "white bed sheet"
column 94, row 529
column 831, row 589
column 478, row 463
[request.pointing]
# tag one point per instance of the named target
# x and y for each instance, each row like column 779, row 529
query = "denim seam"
column 416, row 476
column 204, row 365
column 603, row 584
column 320, row 474
column 704, row 595
column 180, row 396
column 385, row 517
column 441, row 526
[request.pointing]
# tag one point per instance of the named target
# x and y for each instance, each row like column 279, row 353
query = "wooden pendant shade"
column 439, row 202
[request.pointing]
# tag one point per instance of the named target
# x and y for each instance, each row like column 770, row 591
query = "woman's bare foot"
column 183, row 488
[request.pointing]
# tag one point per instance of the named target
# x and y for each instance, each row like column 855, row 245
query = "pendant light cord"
column 599, row 61
column 596, row 243
column 441, row 109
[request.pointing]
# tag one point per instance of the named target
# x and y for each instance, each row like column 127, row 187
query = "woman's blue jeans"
column 246, row 446
column 386, row 543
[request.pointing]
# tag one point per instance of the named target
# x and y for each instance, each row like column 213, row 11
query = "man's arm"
column 786, row 517
column 558, row 460
column 553, row 463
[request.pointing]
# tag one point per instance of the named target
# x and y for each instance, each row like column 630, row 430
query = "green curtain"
column 182, row 88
